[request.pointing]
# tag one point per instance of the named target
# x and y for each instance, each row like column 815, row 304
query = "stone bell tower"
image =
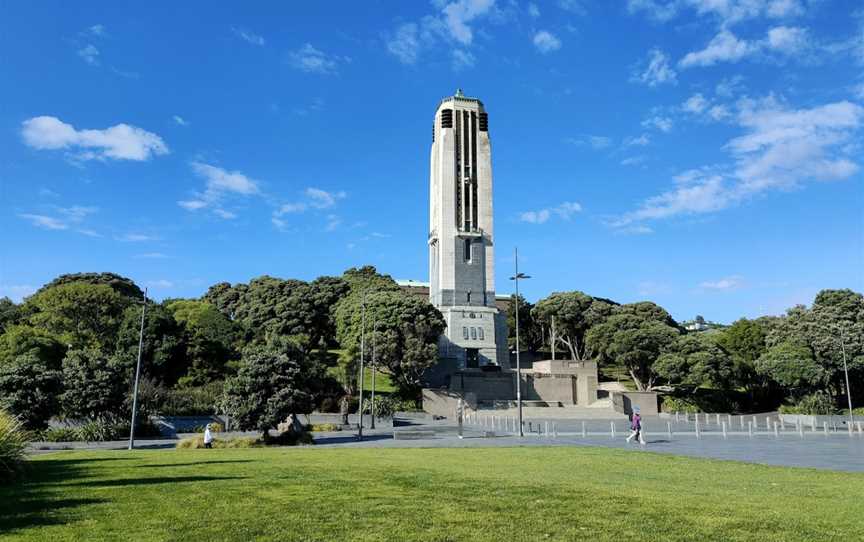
column 461, row 246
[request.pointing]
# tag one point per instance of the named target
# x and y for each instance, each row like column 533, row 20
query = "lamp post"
column 846, row 371
column 362, row 353
column 137, row 374
column 516, row 278
column 374, row 368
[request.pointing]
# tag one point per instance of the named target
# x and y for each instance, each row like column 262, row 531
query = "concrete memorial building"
column 474, row 363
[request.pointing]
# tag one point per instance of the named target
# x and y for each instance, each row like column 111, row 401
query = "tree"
column 270, row 384
column 81, row 315
column 8, row 313
column 696, row 360
column 123, row 286
column 793, row 366
column 405, row 334
column 209, row 338
column 29, row 388
column 225, row 297
column 23, row 339
column 163, row 355
column 530, row 333
column 96, row 385
column 575, row 313
column 635, row 336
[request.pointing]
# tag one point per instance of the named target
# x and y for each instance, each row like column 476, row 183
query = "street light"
column 362, row 353
column 516, row 278
column 846, row 370
column 137, row 374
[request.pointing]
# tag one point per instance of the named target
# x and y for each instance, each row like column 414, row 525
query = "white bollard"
column 860, row 428
column 850, row 428
column 800, row 428
column 669, row 429
column 729, row 419
column 776, row 432
column 750, row 428
column 723, row 425
column 756, row 425
column 741, row 419
column 546, row 429
column 718, row 419
column 825, row 426
column 767, row 423
column 676, row 416
column 584, row 433
column 612, row 425
column 813, row 423
column 698, row 435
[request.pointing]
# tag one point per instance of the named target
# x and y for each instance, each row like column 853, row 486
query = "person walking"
column 208, row 437
column 636, row 427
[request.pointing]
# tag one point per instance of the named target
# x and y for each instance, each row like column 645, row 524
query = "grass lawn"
column 494, row 494
column 383, row 383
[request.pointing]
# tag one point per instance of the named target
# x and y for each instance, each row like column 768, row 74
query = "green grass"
column 424, row 494
column 383, row 383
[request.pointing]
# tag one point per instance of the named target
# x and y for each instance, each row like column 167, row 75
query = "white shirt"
column 208, row 438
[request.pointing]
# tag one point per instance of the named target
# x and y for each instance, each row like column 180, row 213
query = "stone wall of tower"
column 461, row 246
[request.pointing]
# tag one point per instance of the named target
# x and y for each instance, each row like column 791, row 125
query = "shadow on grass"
column 37, row 510
column 351, row 438
column 152, row 481
column 195, row 463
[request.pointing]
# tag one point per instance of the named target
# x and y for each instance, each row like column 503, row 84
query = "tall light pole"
column 846, row 370
column 374, row 367
column 137, row 374
column 362, row 351
column 517, row 277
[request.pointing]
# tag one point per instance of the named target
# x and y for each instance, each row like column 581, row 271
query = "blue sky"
column 704, row 154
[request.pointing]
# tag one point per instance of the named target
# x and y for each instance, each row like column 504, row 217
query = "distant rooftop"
column 460, row 96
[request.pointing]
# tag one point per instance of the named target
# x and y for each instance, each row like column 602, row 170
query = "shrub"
column 189, row 401
column 59, row 434
column 196, row 443
column 678, row 404
column 858, row 411
column 13, row 445
column 386, row 405
column 324, row 427
column 818, row 403
column 29, row 389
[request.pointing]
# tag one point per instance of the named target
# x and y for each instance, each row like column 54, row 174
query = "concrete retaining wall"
column 626, row 401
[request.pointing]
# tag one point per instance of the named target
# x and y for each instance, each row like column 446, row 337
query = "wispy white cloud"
column 781, row 41
column 451, row 26
column 135, row 237
column 97, row 30
column 311, row 60
column 576, row 7
column 63, row 218
column 782, row 148
column 723, row 284
column 655, row 71
column 248, row 36
column 180, row 120
column 546, row 42
column 565, row 211
column 313, row 199
column 151, row 256
column 44, row 222
column 219, row 184
column 119, row 142
column 724, row 12
column 659, row 122
column 16, row 292
column 90, row 54
column 596, row 142
column 322, row 199
column 533, row 10
column 640, row 141
column 161, row 284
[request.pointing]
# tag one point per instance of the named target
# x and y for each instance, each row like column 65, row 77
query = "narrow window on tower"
column 480, row 333
column 474, row 333
column 464, row 332
column 467, row 251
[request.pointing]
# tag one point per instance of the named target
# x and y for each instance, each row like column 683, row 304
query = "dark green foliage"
column 403, row 329
column 164, row 350
column 185, row 401
column 819, row 404
column 96, row 385
column 530, row 331
column 81, row 315
column 575, row 313
column 120, row 284
column 8, row 313
column 209, row 338
column 792, row 366
column 696, row 360
column 29, row 389
column 20, row 340
column 635, row 336
column 13, row 448
column 271, row 384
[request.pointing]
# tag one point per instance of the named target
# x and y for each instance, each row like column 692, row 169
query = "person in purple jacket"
column 636, row 427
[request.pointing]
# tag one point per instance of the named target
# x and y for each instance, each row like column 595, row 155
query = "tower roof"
column 459, row 96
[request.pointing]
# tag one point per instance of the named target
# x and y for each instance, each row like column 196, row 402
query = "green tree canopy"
column 96, row 385
column 696, row 360
column 272, row 383
column 23, row 339
column 80, row 314
column 793, row 366
column 210, row 339
column 30, row 388
column 530, row 332
column 634, row 335
column 163, row 355
column 8, row 313
column 575, row 313
column 120, row 284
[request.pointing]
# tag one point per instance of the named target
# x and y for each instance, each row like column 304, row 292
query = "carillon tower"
column 461, row 247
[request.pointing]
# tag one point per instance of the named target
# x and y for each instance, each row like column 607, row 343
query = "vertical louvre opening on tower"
column 484, row 122
column 446, row 118
column 460, row 200
column 474, row 221
column 466, row 168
